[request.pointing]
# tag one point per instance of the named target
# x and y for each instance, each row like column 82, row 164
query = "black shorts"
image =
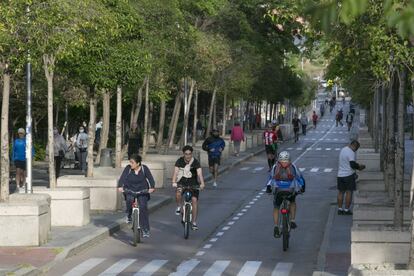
column 346, row 183
column 270, row 149
column 20, row 164
column 278, row 198
column 213, row 160
column 196, row 191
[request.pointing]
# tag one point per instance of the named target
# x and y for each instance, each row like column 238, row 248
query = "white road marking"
column 225, row 228
column 328, row 149
column 249, row 268
column 254, row 199
column 207, row 246
column 318, row 148
column 314, row 169
column 282, row 269
column 84, row 267
column 299, row 148
column 244, row 210
column 244, row 168
column 240, row 214
column 117, row 267
column 213, row 239
column 261, row 193
column 259, row 168
column 251, row 202
column 151, row 268
column 289, row 148
column 236, row 218
column 258, row 196
column 313, row 139
column 231, row 222
column 217, row 268
column 220, row 234
column 336, row 139
column 200, row 253
column 328, row 170
column 309, row 149
column 185, row 268
column 337, row 148
column 247, row 206
column 302, row 169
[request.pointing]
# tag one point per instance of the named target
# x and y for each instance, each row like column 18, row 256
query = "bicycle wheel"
column 187, row 221
column 285, row 232
column 135, row 228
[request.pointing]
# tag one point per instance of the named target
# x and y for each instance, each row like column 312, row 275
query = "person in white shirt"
column 346, row 183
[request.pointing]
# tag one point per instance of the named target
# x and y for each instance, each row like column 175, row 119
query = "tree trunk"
column 411, row 259
column 150, row 116
column 5, row 161
column 390, row 171
column 161, row 124
column 187, row 113
column 195, row 118
column 91, row 130
column 383, row 128
column 174, row 119
column 210, row 115
column 399, row 156
column 224, row 114
column 145, row 143
column 48, row 64
column 118, row 139
column 138, row 105
column 215, row 115
column 105, row 123
column 376, row 119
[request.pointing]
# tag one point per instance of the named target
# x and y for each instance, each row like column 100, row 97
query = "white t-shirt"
column 345, row 156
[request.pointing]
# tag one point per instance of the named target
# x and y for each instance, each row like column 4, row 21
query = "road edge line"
column 321, row 264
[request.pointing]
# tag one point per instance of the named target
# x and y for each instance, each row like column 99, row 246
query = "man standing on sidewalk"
column 214, row 145
column 346, row 182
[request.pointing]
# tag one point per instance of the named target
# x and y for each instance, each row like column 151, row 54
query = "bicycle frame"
column 188, row 196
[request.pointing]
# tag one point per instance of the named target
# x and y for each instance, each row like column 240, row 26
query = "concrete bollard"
column 63, row 199
column 25, row 220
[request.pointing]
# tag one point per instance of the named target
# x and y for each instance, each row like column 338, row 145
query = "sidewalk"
column 67, row 241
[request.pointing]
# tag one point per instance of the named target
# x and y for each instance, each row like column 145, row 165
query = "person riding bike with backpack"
column 287, row 179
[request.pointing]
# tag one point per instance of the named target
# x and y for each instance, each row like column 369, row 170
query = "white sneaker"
column 214, row 184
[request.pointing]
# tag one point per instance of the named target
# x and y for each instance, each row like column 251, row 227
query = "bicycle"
column 136, row 228
column 187, row 209
column 284, row 219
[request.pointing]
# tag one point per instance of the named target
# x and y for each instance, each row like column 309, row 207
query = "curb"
column 84, row 243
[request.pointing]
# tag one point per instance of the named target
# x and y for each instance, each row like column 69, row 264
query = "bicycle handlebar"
column 145, row 191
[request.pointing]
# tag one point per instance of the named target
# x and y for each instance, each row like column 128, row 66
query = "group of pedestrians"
column 303, row 123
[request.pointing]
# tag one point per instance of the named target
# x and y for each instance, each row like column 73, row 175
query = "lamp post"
column 29, row 146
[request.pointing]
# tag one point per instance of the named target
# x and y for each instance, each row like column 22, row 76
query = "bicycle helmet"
column 284, row 156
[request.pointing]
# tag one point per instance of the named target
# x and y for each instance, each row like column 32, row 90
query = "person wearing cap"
column 214, row 145
column 19, row 159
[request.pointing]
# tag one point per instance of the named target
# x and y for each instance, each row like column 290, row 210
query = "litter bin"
column 106, row 158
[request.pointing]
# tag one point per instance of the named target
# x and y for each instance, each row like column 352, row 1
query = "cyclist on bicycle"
column 287, row 179
column 137, row 178
column 186, row 171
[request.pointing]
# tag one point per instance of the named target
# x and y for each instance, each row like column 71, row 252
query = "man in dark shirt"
column 186, row 171
column 214, row 145
column 296, row 125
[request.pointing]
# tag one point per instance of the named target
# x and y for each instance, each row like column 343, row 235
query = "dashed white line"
column 230, row 222
column 225, row 228
column 240, row 214
column 328, row 170
column 328, row 149
column 318, row 148
column 244, row 168
column 213, row 239
column 302, row 169
column 200, row 253
column 314, row 169
column 236, row 218
column 219, row 234
column 247, row 206
column 207, row 246
column 244, row 210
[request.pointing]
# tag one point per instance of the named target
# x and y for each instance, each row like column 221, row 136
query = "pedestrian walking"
column 322, row 109
column 349, row 120
column 304, row 122
column 60, row 148
column 19, row 159
column 338, row 117
column 98, row 130
column 135, row 178
column 214, row 145
column 82, row 145
column 237, row 136
column 314, row 119
column 296, row 124
column 346, row 181
column 134, row 140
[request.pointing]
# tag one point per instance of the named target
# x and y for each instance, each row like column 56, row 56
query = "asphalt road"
column 235, row 220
